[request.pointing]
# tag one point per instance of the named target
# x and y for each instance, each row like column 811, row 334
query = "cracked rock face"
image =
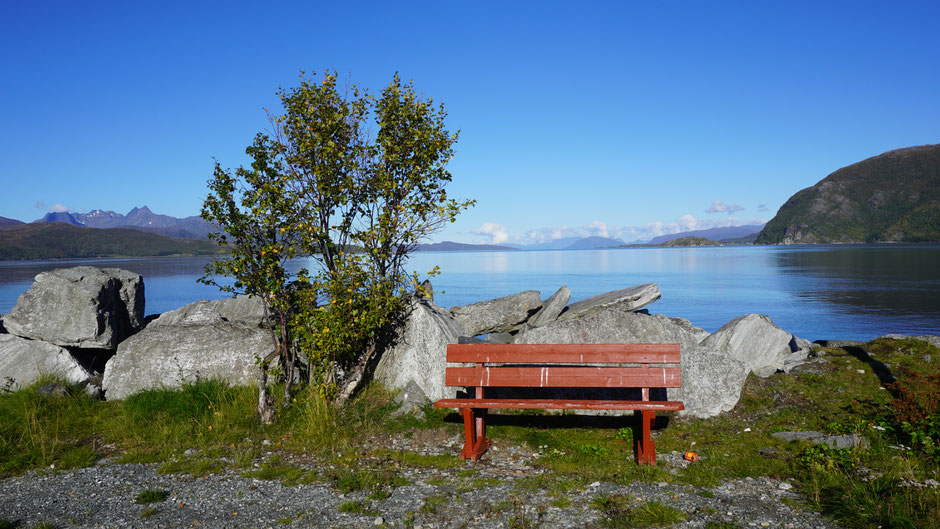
column 84, row 306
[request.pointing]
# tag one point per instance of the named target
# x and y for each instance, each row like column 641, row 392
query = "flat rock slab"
column 551, row 308
column 496, row 315
column 84, row 307
column 836, row 442
column 627, row 300
column 23, row 361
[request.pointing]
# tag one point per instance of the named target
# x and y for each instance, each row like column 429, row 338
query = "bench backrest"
column 565, row 366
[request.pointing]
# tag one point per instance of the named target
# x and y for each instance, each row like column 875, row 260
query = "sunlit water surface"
column 816, row 292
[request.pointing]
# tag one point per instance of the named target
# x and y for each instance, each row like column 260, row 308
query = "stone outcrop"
column 627, row 299
column 191, row 343
column 419, row 354
column 760, row 344
column 551, row 308
column 615, row 326
column 497, row 315
column 83, row 307
column 23, row 361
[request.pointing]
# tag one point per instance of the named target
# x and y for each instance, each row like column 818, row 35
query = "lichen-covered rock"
column 626, row 300
column 23, row 361
column 756, row 341
column 84, row 307
column 420, row 351
column 496, row 315
column 167, row 356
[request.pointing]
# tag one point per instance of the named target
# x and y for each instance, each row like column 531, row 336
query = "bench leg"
column 474, row 427
column 645, row 447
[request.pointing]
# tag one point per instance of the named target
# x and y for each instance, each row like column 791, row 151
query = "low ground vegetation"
column 885, row 391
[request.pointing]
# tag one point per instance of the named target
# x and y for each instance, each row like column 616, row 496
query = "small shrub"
column 148, row 512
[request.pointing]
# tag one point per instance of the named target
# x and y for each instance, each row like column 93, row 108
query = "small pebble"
column 378, row 520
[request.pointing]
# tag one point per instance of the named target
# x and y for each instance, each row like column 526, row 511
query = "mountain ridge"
column 891, row 197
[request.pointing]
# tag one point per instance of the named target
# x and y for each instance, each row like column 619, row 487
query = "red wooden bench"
column 561, row 366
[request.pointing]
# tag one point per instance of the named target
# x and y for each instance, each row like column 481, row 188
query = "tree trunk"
column 356, row 377
column 266, row 409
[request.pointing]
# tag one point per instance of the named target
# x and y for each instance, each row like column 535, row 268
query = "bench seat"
column 534, row 368
column 553, row 404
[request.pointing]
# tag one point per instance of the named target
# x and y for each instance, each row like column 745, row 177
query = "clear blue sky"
column 614, row 118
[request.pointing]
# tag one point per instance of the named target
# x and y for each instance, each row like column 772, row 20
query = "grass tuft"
column 151, row 496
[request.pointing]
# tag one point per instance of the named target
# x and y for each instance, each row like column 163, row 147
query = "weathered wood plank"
column 555, row 404
column 564, row 377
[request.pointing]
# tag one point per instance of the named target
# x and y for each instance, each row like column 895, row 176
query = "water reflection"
column 901, row 280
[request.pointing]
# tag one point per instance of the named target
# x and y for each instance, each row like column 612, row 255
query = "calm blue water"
column 815, row 292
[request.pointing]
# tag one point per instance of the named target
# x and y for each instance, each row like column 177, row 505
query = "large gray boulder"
column 83, row 307
column 615, row 326
column 756, row 341
column 627, row 299
column 203, row 340
column 496, row 315
column 711, row 382
column 551, row 308
column 243, row 309
column 23, row 361
column 711, row 379
column 420, row 353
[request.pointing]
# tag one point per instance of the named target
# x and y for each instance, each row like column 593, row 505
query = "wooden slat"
column 640, row 353
column 552, row 404
column 564, row 377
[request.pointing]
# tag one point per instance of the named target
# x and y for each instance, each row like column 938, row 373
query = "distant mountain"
column 714, row 234
column 143, row 219
column 4, row 222
column 59, row 216
column 747, row 239
column 892, row 197
column 589, row 243
column 554, row 244
column 58, row 240
column 450, row 246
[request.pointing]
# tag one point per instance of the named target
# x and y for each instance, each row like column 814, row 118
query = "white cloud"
column 39, row 204
column 550, row 233
column 58, row 208
column 719, row 206
column 496, row 232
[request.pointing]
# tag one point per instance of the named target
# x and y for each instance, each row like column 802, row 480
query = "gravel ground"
column 104, row 496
